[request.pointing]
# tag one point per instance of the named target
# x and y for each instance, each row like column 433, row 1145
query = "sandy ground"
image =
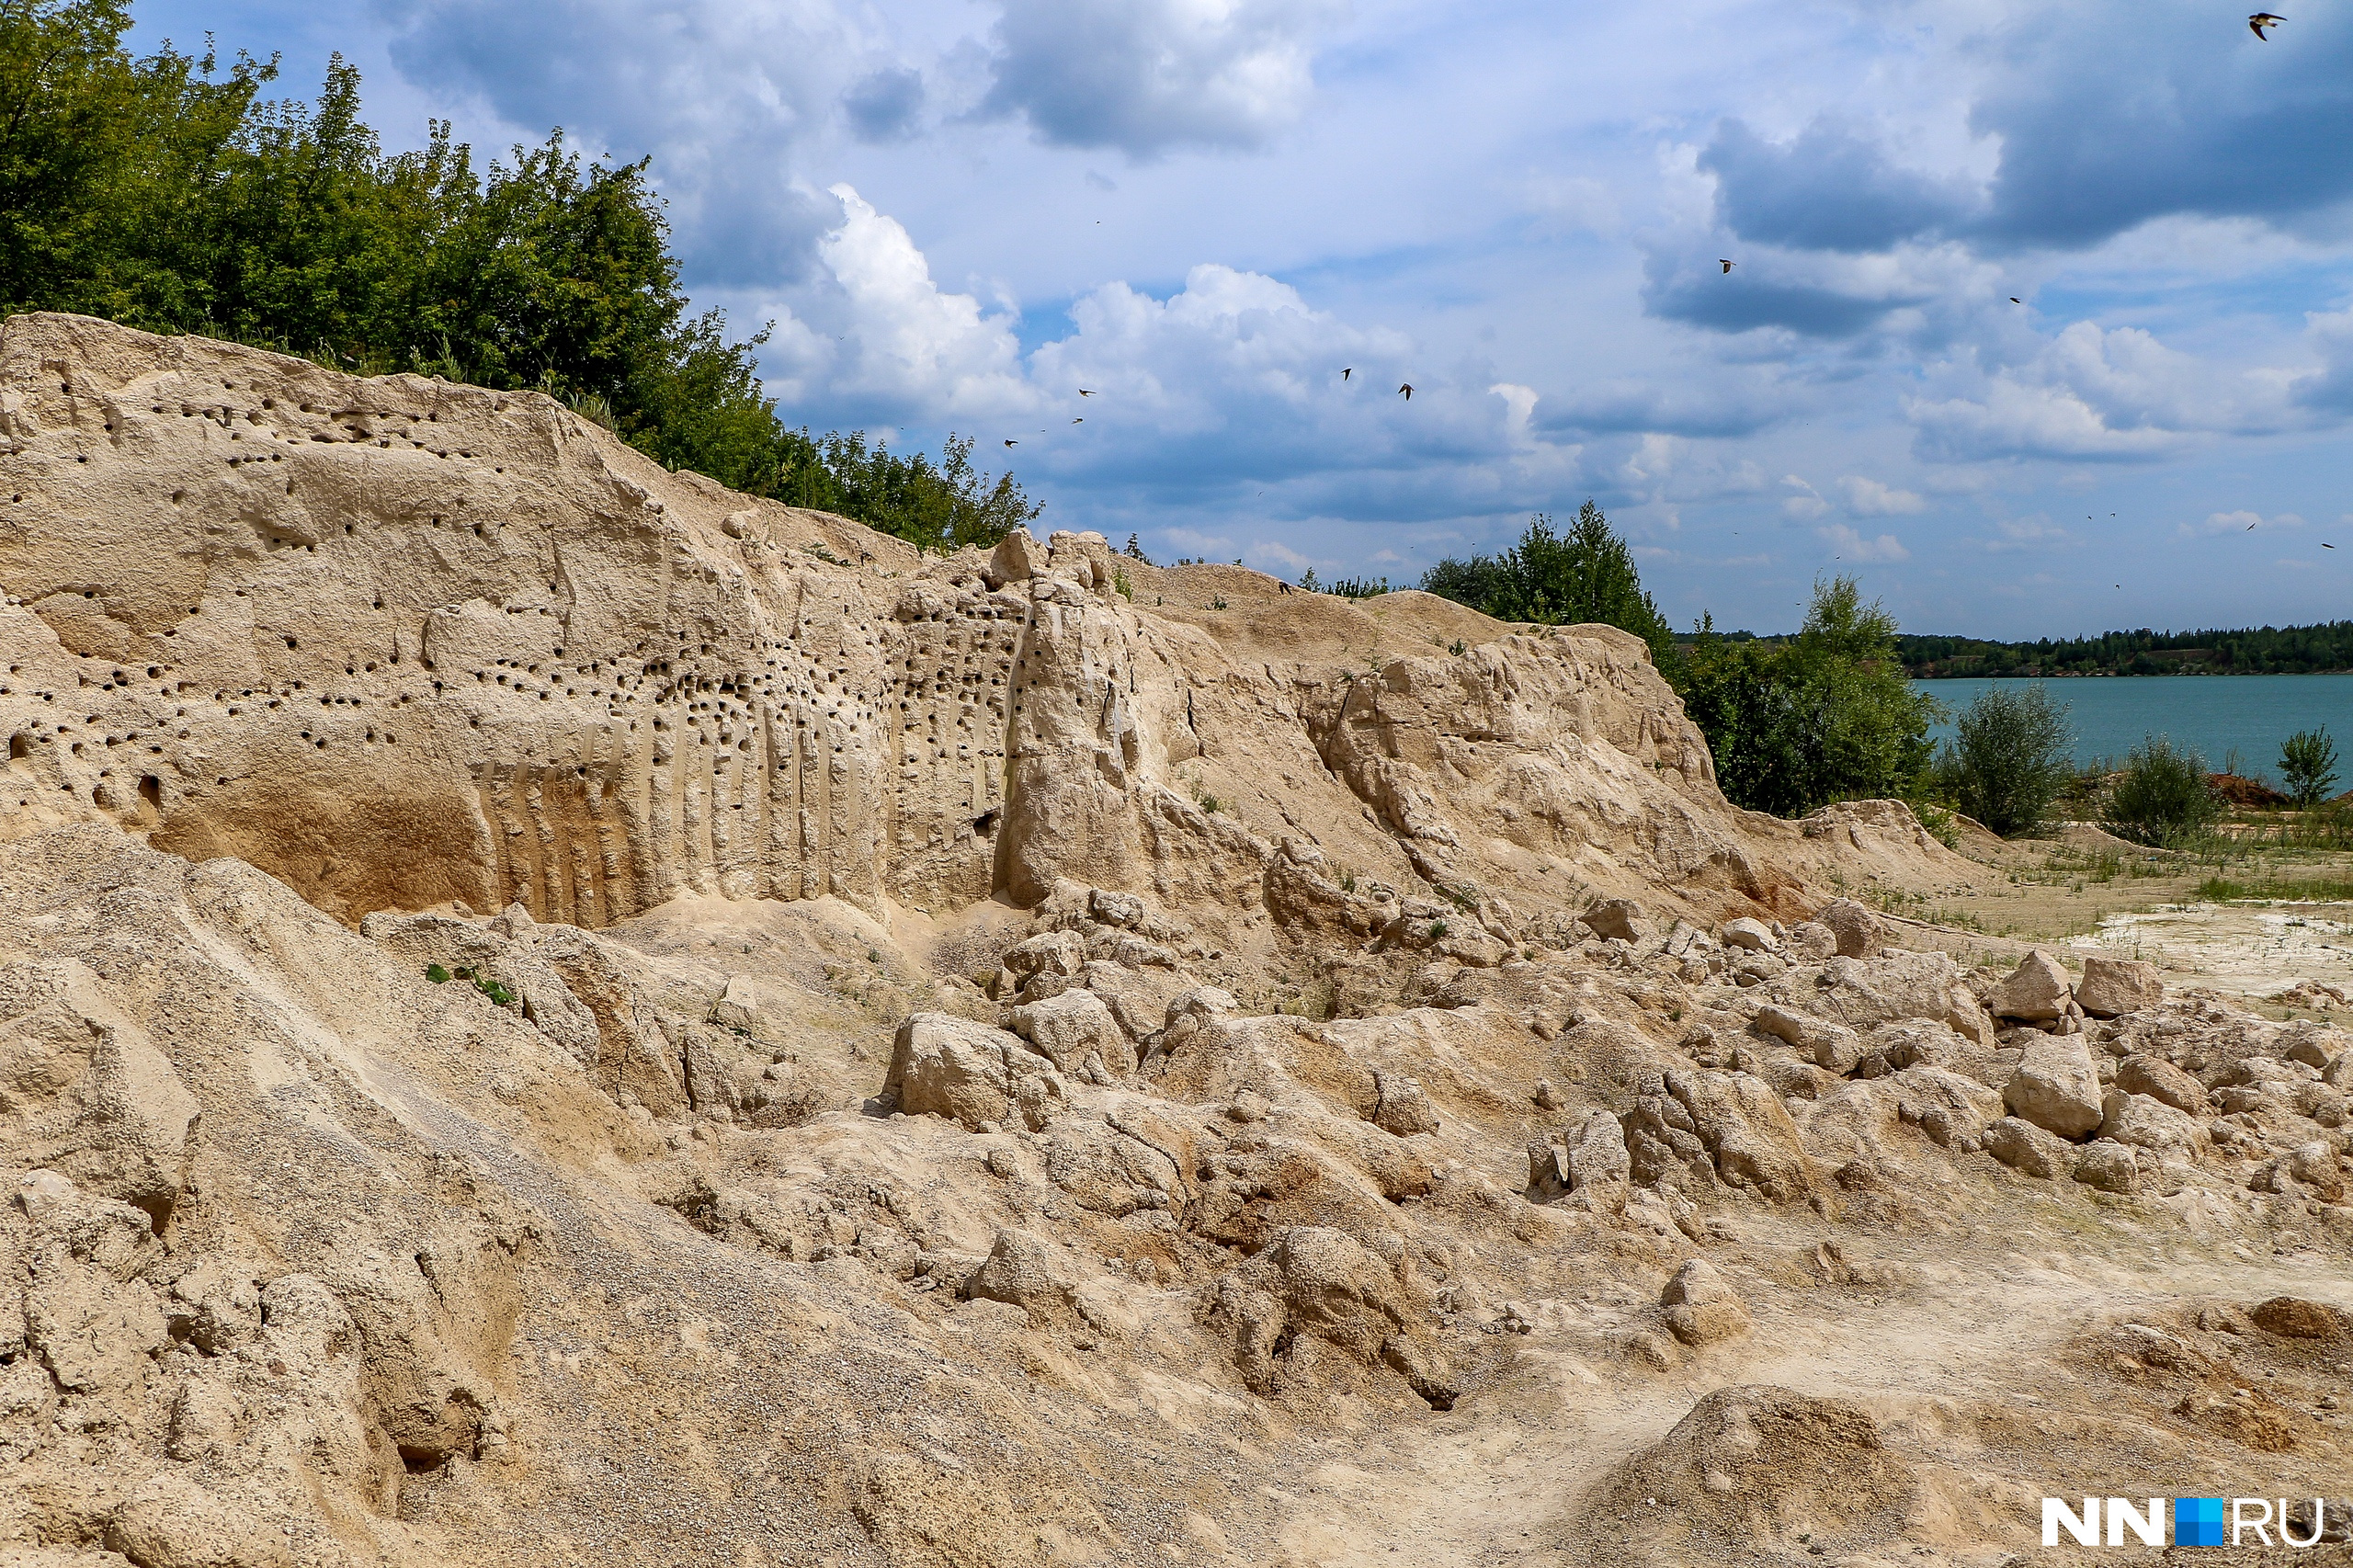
column 1930, row 1349
column 2082, row 892
column 2247, row 949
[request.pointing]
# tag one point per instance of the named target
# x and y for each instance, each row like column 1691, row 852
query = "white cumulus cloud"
column 1147, row 76
column 1870, row 499
column 909, row 340
column 1852, row 546
column 2241, row 522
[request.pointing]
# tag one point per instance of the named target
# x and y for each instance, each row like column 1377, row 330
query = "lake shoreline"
column 2248, row 715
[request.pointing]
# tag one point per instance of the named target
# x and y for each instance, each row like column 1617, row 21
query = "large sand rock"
column 400, row 643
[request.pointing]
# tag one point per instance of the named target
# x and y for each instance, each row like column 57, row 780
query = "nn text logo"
column 2197, row 1521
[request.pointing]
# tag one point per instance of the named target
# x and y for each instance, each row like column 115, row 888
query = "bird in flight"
column 1011, row 442
column 1723, row 263
column 2325, row 545
column 2016, row 301
column 1408, row 390
column 2250, row 528
column 1346, row 374
column 1084, row 392
column 1079, row 421
column 2261, row 20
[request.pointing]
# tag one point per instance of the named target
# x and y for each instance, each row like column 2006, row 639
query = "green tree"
column 1478, row 581
column 164, row 192
column 103, row 157
column 2308, row 766
column 1739, row 694
column 2163, row 796
column 1584, row 576
column 1825, row 716
column 2009, row 759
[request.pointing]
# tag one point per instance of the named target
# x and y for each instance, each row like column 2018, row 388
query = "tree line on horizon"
column 165, row 192
column 2323, row 648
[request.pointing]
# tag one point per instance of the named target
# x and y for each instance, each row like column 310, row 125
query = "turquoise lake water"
column 2211, row 713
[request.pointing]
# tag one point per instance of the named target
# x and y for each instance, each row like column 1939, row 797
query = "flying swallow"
column 1346, row 374
column 1084, row 392
column 1078, row 421
column 2261, row 20
column 1012, row 443
column 1408, row 389
column 1723, row 263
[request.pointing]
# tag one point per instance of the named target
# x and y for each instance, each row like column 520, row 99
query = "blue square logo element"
column 2197, row 1521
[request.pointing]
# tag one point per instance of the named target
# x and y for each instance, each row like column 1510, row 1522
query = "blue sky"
column 959, row 212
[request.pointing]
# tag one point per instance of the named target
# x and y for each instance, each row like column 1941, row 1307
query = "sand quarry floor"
column 2082, row 893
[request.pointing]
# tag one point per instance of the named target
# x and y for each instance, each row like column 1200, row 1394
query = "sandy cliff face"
column 397, row 642
column 1020, row 1058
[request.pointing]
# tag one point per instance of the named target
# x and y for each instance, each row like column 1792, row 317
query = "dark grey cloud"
column 1755, row 295
column 886, row 106
column 2108, row 115
column 1829, row 189
column 1150, row 77
column 2114, row 114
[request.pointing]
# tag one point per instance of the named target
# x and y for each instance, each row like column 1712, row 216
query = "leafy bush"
column 1825, row 716
column 164, row 192
column 2162, row 797
column 2308, row 766
column 1586, row 575
column 2008, row 760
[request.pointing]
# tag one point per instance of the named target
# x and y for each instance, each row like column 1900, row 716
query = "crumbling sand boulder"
column 2141, row 1074
column 1401, row 1106
column 1746, row 1130
column 2106, row 1165
column 1077, row 1032
column 1856, row 929
column 1757, row 1465
column 1833, row 1047
column 1700, row 1307
column 2055, row 1086
column 2113, row 988
column 1313, row 1280
column 943, row 1065
column 1619, row 918
column 2038, row 991
column 84, row 1092
column 2023, row 1146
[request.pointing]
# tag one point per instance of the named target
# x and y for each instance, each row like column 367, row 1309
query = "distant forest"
column 2263, row 651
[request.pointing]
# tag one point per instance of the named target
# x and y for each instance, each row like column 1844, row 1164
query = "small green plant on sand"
column 2308, row 766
